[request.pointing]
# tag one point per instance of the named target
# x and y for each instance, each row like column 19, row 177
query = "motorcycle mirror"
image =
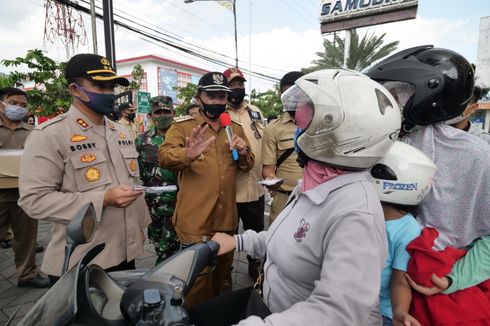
column 80, row 230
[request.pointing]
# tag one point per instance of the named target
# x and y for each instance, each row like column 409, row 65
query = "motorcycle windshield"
column 58, row 305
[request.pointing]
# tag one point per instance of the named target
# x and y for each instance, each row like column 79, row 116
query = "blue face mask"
column 14, row 112
column 98, row 102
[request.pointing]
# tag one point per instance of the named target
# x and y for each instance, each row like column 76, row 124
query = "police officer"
column 13, row 134
column 161, row 230
column 250, row 195
column 128, row 114
column 81, row 157
column 278, row 155
column 198, row 148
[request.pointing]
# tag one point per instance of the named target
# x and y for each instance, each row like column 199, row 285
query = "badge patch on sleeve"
column 303, row 228
column 87, row 158
column 132, row 165
column 75, row 138
column 92, row 174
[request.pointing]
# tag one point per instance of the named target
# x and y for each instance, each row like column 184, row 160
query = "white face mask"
column 14, row 112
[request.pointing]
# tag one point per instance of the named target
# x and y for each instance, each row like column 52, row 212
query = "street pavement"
column 11, row 297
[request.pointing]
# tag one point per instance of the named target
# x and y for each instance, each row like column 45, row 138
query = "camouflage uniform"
column 161, row 231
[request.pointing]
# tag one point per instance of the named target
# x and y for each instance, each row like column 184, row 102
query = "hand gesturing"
column 196, row 145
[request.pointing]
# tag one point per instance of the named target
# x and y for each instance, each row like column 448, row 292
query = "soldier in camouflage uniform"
column 161, row 231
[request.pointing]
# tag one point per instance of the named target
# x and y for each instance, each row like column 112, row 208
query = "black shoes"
column 37, row 282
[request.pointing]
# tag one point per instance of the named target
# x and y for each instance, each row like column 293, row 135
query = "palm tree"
column 362, row 53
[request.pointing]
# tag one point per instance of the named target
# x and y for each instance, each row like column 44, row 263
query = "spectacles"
column 255, row 129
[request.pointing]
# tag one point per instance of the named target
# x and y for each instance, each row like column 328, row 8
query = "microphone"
column 225, row 121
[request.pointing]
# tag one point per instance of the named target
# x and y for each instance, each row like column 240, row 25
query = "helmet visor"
column 402, row 92
column 296, row 100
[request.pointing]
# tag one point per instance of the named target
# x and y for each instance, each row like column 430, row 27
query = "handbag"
column 256, row 305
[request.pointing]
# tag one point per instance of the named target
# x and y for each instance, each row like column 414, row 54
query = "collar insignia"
column 82, row 123
column 111, row 125
column 75, row 138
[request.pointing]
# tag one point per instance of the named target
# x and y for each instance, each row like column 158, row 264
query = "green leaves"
column 363, row 52
column 50, row 93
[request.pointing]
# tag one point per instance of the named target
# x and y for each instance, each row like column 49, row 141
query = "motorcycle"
column 87, row 295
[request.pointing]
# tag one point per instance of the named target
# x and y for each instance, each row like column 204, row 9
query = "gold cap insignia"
column 111, row 125
column 77, row 138
column 122, row 135
column 82, row 123
column 105, row 62
column 132, row 165
column 92, row 174
column 218, row 79
column 87, row 158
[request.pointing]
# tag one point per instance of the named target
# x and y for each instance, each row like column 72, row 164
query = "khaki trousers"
column 25, row 236
column 278, row 203
column 209, row 285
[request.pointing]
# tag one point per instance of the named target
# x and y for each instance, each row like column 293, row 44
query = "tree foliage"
column 269, row 102
column 136, row 77
column 363, row 52
column 185, row 95
column 50, row 93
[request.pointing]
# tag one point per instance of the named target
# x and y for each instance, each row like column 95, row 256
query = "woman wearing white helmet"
column 402, row 179
column 326, row 249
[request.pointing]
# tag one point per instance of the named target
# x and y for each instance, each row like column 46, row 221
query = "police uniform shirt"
column 68, row 162
column 278, row 137
column 251, row 120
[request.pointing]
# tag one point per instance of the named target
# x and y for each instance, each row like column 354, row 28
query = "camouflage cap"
column 162, row 102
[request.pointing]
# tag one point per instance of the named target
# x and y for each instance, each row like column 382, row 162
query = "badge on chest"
column 302, row 230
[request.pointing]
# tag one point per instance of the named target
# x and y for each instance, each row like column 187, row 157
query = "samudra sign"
column 339, row 15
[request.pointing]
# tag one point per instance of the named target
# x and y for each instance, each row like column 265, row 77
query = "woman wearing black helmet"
column 433, row 86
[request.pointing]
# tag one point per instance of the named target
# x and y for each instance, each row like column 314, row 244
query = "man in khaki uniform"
column 13, row 134
column 82, row 157
column 278, row 155
column 128, row 114
column 198, row 149
column 250, row 195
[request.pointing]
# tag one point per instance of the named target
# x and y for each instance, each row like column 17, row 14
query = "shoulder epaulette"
column 183, row 118
column 49, row 122
column 236, row 121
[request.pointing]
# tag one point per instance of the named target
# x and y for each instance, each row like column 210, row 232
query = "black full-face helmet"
column 430, row 84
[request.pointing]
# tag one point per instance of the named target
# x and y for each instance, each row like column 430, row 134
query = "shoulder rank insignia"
column 122, row 135
column 132, row 165
column 110, row 124
column 92, row 174
column 82, row 123
column 183, row 118
column 87, row 158
column 75, row 138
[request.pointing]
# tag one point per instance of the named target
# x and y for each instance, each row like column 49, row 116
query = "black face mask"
column 213, row 111
column 236, row 95
column 131, row 116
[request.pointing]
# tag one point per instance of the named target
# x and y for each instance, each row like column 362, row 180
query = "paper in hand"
column 156, row 190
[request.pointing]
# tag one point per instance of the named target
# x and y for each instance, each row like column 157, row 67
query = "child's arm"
column 401, row 297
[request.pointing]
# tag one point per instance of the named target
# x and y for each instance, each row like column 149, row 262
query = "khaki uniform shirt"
column 247, row 188
column 12, row 139
column 206, row 198
column 130, row 126
column 68, row 162
column 278, row 137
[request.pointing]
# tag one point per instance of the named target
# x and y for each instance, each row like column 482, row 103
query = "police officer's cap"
column 213, row 82
column 93, row 67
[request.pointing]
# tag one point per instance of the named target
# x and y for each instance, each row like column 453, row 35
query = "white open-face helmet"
column 403, row 176
column 347, row 119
